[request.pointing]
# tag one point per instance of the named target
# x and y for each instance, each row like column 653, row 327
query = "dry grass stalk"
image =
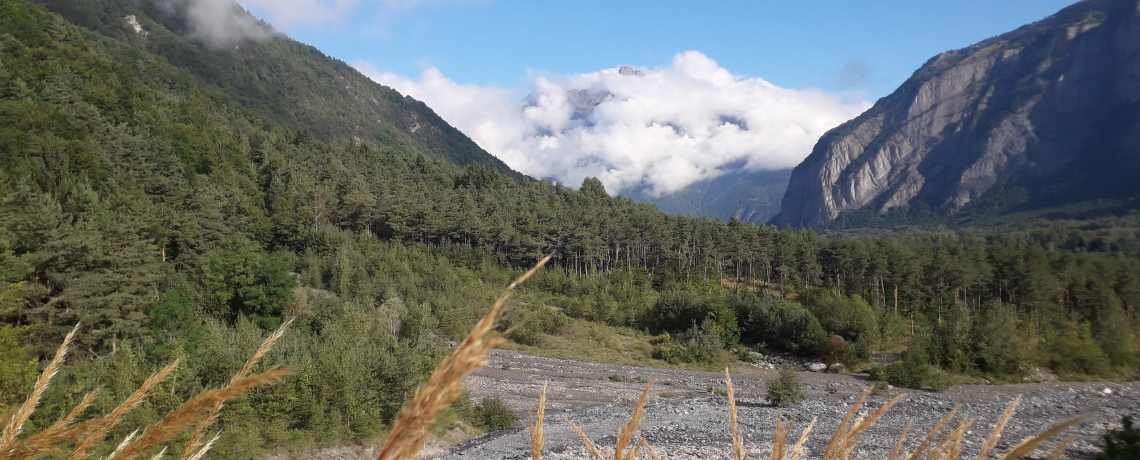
column 206, row 448
column 625, row 435
column 836, row 441
column 779, row 439
column 159, row 455
column 122, row 445
column 848, row 435
column 586, row 440
column 950, row 446
column 1026, row 446
column 446, row 382
column 937, row 428
column 195, row 440
column 193, row 410
column 536, row 438
column 60, row 431
column 899, row 444
column 71, row 416
column 649, row 450
column 1060, row 449
column 16, row 424
column 104, row 425
column 738, row 452
column 995, row 436
column 798, row 449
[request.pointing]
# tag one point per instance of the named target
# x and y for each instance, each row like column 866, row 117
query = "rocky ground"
column 686, row 419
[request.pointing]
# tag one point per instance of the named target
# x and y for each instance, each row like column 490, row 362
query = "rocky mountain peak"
column 630, row 72
column 1051, row 109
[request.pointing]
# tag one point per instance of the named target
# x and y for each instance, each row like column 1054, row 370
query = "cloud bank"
column 661, row 129
column 223, row 22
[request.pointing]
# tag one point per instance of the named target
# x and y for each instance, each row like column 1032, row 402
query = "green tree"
column 242, row 281
column 786, row 389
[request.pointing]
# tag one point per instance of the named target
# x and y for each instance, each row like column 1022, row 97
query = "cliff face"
column 1052, row 108
column 748, row 196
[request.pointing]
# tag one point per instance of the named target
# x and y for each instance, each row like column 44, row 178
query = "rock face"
column 1051, row 110
column 750, row 196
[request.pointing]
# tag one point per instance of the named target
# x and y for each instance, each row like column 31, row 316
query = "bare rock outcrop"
column 1051, row 109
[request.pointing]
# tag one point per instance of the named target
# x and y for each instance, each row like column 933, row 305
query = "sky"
column 724, row 85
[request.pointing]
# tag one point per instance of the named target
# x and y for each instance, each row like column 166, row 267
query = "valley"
column 167, row 203
column 685, row 420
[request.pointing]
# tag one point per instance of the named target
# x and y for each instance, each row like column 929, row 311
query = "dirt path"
column 684, row 420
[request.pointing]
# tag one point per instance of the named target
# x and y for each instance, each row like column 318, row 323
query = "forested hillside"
column 173, row 222
column 293, row 84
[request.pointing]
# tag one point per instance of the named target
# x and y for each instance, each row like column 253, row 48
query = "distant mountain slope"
column 290, row 83
column 749, row 196
column 1043, row 116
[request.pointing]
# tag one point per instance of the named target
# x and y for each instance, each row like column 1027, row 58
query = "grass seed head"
column 445, row 384
column 15, row 424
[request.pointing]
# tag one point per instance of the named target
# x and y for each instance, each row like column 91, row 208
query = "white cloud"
column 288, row 14
column 223, row 22
column 664, row 129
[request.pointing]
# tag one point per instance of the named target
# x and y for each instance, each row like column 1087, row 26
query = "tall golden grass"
column 83, row 436
column 446, row 383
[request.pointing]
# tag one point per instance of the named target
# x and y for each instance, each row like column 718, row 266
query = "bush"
column 783, row 324
column 1076, row 352
column 914, row 371
column 850, row 317
column 698, row 345
column 1122, row 444
column 492, row 414
column 679, row 310
column 787, row 389
column 531, row 327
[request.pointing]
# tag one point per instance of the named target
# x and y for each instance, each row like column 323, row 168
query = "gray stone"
column 993, row 114
column 816, row 367
column 837, row 368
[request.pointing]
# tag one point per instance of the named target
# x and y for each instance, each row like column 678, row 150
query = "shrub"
column 849, row 317
column 783, row 324
column 492, row 414
column 914, row 371
column 787, row 389
column 532, row 326
column 1122, row 444
column 679, row 310
column 17, row 368
column 1076, row 352
column 702, row 344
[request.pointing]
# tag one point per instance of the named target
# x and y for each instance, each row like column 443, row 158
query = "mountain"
column 748, row 196
column 1045, row 116
column 290, row 83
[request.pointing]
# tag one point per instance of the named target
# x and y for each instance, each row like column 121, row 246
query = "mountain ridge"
column 750, row 196
column 994, row 115
column 291, row 83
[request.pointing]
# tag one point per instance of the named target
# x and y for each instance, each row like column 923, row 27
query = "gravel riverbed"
column 684, row 420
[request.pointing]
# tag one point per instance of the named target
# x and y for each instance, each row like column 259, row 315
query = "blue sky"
column 795, row 44
column 724, row 86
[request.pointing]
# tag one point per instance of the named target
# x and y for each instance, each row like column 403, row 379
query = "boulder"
column 816, row 367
